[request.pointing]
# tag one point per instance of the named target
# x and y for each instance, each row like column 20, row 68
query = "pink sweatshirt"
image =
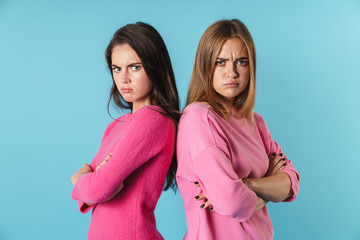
column 219, row 154
column 142, row 146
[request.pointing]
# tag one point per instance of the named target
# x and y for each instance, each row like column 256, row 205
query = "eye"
column 116, row 69
column 135, row 67
column 242, row 62
column 219, row 63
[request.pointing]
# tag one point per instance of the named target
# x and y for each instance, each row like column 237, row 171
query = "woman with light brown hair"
column 229, row 166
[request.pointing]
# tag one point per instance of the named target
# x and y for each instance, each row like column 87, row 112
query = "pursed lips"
column 231, row 84
column 126, row 89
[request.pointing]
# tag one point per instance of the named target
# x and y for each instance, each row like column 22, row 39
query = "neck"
column 137, row 105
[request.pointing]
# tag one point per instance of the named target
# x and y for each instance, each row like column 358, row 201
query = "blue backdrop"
column 54, row 86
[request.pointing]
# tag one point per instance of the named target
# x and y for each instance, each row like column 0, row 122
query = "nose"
column 124, row 77
column 231, row 71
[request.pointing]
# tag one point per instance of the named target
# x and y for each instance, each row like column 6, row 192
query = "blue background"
column 54, row 86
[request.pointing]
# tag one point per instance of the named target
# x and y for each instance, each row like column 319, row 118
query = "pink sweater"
column 142, row 146
column 219, row 154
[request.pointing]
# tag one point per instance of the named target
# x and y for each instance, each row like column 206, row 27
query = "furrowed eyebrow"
column 132, row 64
column 226, row 59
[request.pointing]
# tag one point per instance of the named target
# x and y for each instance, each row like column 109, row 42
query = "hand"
column 202, row 196
column 104, row 162
column 84, row 170
column 276, row 165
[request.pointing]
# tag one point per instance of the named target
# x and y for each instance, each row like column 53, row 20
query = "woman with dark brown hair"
column 227, row 158
column 125, row 179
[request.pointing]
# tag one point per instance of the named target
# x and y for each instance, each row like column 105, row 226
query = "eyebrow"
column 226, row 59
column 131, row 64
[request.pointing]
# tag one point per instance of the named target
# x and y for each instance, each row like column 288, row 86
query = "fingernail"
column 284, row 164
column 196, row 182
column 197, row 197
column 283, row 159
column 202, row 206
column 274, row 154
column 211, row 209
column 280, row 154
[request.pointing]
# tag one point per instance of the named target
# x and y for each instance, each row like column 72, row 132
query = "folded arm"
column 283, row 186
column 142, row 140
column 226, row 192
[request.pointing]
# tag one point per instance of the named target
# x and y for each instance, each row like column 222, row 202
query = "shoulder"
column 200, row 115
column 197, row 122
column 197, row 110
column 122, row 119
column 258, row 118
column 151, row 115
column 260, row 122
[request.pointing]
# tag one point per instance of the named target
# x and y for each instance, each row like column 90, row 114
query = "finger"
column 200, row 196
column 280, row 164
column 197, row 184
column 274, row 162
column 271, row 156
column 205, row 205
column 211, row 208
column 108, row 157
column 101, row 164
column 281, row 168
column 105, row 161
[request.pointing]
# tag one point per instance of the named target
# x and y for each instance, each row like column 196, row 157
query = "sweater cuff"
column 84, row 208
column 294, row 185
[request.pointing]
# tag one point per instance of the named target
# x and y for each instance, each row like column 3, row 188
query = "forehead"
column 123, row 54
column 233, row 46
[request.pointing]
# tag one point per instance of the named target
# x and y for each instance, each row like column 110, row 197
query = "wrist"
column 251, row 183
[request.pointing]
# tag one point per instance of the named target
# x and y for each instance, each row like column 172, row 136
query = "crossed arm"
column 87, row 169
column 275, row 186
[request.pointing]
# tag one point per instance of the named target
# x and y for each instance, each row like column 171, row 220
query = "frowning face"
column 231, row 72
column 130, row 77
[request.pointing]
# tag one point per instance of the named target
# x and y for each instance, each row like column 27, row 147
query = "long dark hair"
column 151, row 49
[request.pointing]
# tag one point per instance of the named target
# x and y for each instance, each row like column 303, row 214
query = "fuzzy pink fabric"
column 218, row 154
column 142, row 146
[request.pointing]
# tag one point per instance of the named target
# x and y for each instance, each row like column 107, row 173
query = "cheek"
column 144, row 83
column 216, row 78
column 116, row 81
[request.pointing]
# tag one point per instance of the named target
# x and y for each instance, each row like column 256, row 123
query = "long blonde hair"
column 201, row 85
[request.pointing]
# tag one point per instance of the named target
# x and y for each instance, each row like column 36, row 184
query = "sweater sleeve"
column 145, row 136
column 83, row 207
column 212, row 165
column 273, row 147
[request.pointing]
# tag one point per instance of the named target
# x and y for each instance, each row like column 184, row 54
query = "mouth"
column 231, row 84
column 126, row 90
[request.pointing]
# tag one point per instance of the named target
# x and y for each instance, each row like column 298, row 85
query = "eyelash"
column 116, row 69
column 136, row 67
column 240, row 62
column 133, row 67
